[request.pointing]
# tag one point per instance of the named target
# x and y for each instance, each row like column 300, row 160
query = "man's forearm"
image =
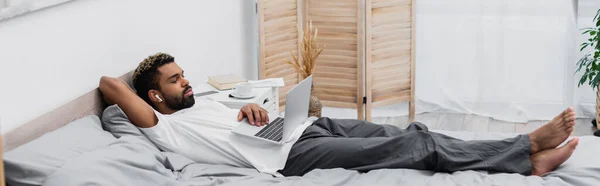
column 113, row 87
column 116, row 91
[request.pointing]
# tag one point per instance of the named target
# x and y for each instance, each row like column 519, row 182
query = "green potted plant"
column 589, row 63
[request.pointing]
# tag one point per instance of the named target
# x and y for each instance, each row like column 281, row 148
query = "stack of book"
column 225, row 82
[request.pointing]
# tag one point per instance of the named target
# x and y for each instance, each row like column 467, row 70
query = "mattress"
column 130, row 161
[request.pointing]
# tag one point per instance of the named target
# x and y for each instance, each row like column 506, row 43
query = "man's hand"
column 256, row 116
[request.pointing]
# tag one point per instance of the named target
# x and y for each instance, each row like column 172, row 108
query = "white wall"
column 52, row 56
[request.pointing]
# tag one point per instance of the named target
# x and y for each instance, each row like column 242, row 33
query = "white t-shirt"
column 203, row 134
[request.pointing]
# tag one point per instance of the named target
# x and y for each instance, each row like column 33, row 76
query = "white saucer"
column 242, row 97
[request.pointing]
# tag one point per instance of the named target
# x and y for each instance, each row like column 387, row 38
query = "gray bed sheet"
column 131, row 161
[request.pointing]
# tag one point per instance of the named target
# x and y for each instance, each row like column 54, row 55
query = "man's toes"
column 568, row 112
column 570, row 119
column 573, row 143
column 564, row 120
column 563, row 114
column 567, row 127
column 568, row 131
column 571, row 114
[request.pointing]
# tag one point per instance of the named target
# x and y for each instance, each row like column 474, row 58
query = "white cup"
column 242, row 90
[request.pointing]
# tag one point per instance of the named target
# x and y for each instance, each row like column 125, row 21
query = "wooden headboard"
column 87, row 104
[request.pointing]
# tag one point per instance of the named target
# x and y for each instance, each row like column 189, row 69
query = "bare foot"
column 554, row 132
column 548, row 160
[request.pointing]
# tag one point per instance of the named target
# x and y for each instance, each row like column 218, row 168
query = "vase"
column 314, row 107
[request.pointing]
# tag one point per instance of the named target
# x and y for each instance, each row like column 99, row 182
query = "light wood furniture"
column 337, row 80
column 279, row 35
column 390, row 68
column 368, row 57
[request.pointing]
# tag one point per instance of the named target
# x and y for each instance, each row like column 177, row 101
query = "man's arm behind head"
column 116, row 91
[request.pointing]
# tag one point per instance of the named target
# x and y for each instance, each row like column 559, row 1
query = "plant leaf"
column 583, row 46
column 580, row 64
column 584, row 61
column 583, row 79
column 593, row 33
column 594, row 82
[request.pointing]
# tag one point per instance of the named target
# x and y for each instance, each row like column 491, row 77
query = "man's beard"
column 180, row 102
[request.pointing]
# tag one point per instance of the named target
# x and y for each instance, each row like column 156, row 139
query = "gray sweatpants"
column 363, row 146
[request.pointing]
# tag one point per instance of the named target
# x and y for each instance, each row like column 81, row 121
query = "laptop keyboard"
column 273, row 131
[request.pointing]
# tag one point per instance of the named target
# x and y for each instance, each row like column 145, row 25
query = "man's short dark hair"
column 146, row 76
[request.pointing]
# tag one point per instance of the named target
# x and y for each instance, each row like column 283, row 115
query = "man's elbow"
column 109, row 88
column 107, row 83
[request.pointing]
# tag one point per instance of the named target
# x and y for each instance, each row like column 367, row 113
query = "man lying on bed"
column 166, row 111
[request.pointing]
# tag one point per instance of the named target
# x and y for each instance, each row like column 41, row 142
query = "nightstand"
column 267, row 98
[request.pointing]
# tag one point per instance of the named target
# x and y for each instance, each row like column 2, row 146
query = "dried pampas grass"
column 309, row 51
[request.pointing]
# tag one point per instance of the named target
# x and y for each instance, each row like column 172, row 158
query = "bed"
column 79, row 144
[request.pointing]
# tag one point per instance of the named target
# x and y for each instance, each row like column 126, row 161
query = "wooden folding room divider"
column 368, row 58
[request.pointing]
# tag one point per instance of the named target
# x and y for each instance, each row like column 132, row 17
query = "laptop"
column 279, row 129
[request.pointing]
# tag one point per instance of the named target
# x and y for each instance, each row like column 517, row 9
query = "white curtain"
column 512, row 60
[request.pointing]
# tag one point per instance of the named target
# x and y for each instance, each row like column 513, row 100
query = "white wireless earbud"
column 157, row 97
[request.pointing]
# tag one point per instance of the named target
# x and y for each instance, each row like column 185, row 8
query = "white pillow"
column 33, row 162
column 115, row 121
